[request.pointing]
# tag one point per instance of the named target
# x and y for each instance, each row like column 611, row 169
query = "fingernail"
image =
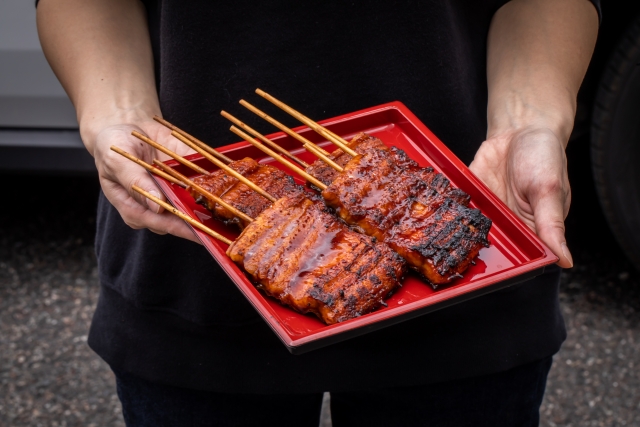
column 153, row 206
column 566, row 253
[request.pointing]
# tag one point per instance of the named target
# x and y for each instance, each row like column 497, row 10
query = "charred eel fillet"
column 300, row 254
column 382, row 193
column 414, row 210
column 362, row 144
column 271, row 179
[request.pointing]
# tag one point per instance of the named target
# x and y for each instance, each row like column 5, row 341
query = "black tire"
column 615, row 142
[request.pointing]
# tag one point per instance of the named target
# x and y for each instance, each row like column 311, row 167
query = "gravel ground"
column 594, row 379
column 48, row 290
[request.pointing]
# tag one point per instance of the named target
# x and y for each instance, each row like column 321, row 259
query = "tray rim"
column 376, row 320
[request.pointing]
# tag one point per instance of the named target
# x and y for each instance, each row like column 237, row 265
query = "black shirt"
column 169, row 314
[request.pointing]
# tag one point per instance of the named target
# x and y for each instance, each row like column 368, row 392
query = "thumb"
column 548, row 215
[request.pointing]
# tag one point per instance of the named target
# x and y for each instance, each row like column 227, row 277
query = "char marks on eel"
column 415, row 210
column 271, row 179
column 303, row 256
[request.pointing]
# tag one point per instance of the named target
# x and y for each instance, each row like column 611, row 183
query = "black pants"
column 509, row 399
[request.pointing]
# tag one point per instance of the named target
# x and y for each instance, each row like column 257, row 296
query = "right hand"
column 117, row 174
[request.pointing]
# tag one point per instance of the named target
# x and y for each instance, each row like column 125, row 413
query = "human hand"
column 117, row 175
column 527, row 170
column 101, row 53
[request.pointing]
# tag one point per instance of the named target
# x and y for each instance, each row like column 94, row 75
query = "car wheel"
column 615, row 142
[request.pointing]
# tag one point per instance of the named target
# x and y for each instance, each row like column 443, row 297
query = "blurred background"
column 48, row 280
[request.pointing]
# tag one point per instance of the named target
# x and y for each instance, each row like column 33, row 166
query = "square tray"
column 515, row 254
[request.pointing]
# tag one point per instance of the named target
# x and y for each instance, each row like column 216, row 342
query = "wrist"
column 92, row 121
column 519, row 112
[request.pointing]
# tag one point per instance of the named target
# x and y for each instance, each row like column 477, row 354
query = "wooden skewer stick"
column 202, row 191
column 308, row 145
column 280, row 126
column 335, row 135
column 187, row 218
column 323, row 157
column 147, row 166
column 193, row 139
column 278, row 157
column 226, row 168
column 263, row 138
column 343, row 144
column 170, row 153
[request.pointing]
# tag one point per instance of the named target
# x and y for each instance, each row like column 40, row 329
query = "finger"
column 548, row 214
column 167, row 223
column 128, row 173
column 138, row 216
column 120, row 174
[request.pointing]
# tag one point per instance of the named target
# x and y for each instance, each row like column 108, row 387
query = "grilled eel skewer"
column 303, row 256
column 414, row 210
column 271, row 179
column 297, row 251
column 384, row 194
column 306, row 258
column 363, row 193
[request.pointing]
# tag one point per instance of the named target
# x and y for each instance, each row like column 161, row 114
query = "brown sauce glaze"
column 252, row 241
column 361, row 144
column 441, row 245
column 243, row 198
column 385, row 194
column 303, row 256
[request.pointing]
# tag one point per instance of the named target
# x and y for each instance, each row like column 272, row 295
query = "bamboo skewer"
column 280, row 126
column 170, row 153
column 341, row 143
column 323, row 157
column 308, row 145
column 204, row 192
column 176, row 177
column 278, row 157
column 224, row 167
column 263, row 138
column 147, row 166
column 193, row 139
column 335, row 135
column 307, row 118
column 187, row 218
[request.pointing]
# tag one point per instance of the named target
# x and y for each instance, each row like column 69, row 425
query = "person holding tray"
column 495, row 81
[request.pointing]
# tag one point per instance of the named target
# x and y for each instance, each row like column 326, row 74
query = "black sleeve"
column 596, row 4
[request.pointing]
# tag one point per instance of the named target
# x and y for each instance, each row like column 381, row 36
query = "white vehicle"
column 38, row 127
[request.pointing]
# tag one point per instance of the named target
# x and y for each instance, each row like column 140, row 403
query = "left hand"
column 527, row 169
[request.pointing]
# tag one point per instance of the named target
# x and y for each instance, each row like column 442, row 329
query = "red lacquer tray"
column 516, row 254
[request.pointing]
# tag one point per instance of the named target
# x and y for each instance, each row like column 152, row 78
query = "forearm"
column 537, row 54
column 101, row 53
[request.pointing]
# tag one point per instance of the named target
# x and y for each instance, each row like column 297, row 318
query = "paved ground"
column 48, row 288
column 594, row 380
